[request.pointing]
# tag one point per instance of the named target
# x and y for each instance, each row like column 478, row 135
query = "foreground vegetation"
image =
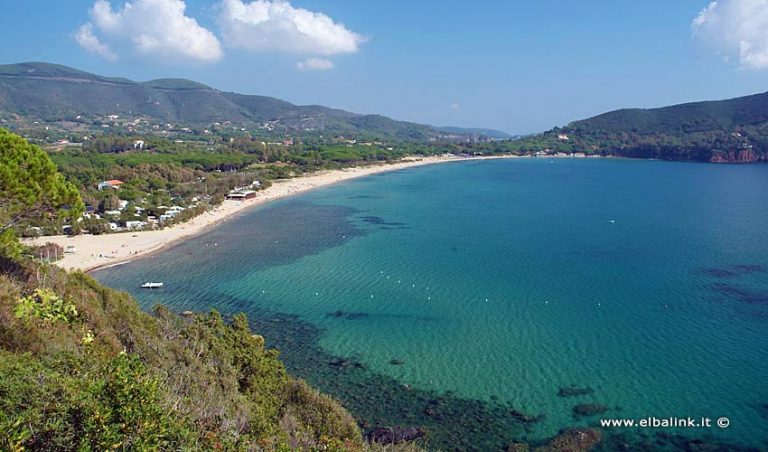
column 84, row 368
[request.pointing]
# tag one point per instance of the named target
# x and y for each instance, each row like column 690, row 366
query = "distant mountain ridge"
column 732, row 130
column 490, row 133
column 688, row 117
column 51, row 92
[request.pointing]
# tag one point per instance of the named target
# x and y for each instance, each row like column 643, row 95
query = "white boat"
column 152, row 285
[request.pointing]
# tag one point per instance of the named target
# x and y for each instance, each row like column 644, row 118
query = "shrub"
column 46, row 305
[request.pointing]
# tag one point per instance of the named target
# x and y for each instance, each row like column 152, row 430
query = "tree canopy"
column 30, row 187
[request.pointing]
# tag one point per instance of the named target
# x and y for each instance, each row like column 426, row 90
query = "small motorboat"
column 152, row 285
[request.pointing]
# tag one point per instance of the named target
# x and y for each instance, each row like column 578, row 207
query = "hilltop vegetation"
column 734, row 130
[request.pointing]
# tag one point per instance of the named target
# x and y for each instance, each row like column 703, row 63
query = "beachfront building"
column 112, row 183
column 241, row 195
column 134, row 225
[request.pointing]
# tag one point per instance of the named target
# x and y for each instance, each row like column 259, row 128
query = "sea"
column 492, row 302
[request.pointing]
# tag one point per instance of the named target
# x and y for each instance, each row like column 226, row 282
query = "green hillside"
column 684, row 118
column 48, row 93
column 84, row 369
column 734, row 130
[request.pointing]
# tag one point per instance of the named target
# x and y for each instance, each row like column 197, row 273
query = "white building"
column 132, row 225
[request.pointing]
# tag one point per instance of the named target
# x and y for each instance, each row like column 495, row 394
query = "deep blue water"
column 504, row 281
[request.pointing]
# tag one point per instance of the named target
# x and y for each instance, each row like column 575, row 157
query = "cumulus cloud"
column 156, row 28
column 87, row 40
column 275, row 25
column 736, row 29
column 315, row 64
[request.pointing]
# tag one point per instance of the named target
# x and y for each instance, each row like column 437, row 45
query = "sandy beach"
column 92, row 252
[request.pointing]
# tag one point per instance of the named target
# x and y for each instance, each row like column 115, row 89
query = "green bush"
column 83, row 368
column 123, row 410
column 46, row 305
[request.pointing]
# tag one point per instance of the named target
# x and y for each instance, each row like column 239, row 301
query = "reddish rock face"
column 737, row 156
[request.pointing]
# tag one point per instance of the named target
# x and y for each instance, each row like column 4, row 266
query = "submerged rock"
column 525, row 418
column 342, row 363
column 339, row 362
column 396, row 362
column 589, row 409
column 395, row 435
column 574, row 391
column 573, row 440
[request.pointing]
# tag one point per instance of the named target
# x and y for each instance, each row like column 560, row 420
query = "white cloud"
column 455, row 107
column 736, row 29
column 315, row 64
column 156, row 28
column 275, row 25
column 87, row 40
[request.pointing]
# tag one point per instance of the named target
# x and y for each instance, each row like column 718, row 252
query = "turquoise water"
column 502, row 282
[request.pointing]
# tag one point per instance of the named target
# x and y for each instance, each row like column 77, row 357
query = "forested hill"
column 734, row 130
column 54, row 93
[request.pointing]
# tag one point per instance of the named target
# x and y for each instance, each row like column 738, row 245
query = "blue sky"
column 516, row 66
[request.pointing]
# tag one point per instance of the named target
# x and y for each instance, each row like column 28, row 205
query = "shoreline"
column 108, row 250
